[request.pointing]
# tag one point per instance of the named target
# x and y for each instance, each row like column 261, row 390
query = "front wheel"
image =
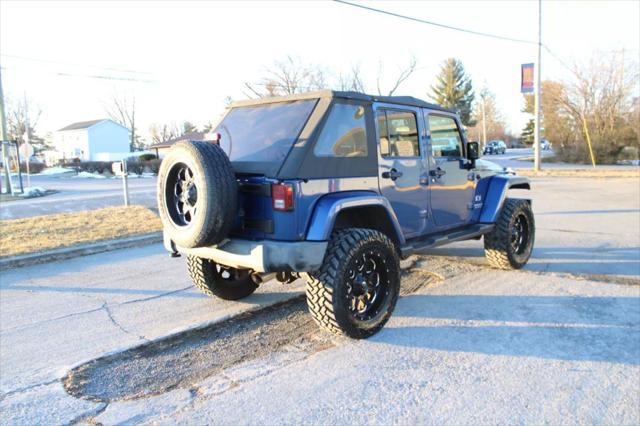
column 510, row 244
column 217, row 280
column 357, row 287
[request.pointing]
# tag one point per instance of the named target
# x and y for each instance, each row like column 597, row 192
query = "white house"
column 96, row 140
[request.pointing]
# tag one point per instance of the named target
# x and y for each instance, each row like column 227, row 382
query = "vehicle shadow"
column 550, row 327
column 572, row 260
column 589, row 212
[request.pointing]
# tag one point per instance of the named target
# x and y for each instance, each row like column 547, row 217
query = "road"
column 513, row 158
column 86, row 193
column 558, row 342
column 77, row 194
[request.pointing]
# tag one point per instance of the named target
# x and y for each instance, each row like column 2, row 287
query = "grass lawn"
column 35, row 234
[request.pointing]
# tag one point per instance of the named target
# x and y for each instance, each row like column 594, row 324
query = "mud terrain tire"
column 351, row 257
column 510, row 244
column 215, row 280
column 197, row 194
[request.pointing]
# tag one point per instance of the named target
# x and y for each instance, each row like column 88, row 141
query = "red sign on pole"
column 527, row 78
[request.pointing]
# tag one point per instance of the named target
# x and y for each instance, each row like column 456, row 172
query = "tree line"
column 598, row 101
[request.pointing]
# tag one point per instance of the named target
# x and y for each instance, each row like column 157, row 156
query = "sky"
column 182, row 59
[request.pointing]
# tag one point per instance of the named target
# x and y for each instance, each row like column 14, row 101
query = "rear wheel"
column 510, row 244
column 217, row 280
column 357, row 287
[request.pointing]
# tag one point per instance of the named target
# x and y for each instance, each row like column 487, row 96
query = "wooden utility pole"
column 536, row 133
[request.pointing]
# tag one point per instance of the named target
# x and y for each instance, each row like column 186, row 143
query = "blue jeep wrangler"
column 334, row 187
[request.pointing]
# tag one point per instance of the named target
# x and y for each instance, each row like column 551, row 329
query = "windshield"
column 258, row 138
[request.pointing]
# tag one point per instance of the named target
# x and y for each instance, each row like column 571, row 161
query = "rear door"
column 452, row 185
column 402, row 177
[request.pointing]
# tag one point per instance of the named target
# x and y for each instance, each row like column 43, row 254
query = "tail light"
column 282, row 196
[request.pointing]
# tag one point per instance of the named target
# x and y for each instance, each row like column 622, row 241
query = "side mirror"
column 473, row 151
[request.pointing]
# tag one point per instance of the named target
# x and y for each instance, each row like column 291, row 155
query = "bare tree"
column 403, row 75
column 352, row 81
column 596, row 105
column 492, row 120
column 17, row 118
column 122, row 110
column 163, row 132
column 287, row 77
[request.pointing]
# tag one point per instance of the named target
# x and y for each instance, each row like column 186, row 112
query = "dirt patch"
column 183, row 360
column 35, row 234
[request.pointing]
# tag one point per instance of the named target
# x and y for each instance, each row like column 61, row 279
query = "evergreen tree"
column 527, row 133
column 454, row 89
column 188, row 127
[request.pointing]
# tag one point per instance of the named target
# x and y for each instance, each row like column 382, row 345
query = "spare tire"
column 197, row 194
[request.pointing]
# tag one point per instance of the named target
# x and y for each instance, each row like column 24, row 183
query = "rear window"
column 263, row 134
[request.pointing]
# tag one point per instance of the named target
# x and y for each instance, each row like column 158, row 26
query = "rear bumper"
column 261, row 256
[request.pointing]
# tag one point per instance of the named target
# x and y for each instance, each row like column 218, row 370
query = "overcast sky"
column 187, row 57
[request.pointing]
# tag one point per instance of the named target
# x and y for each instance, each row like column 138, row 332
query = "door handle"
column 437, row 172
column 392, row 174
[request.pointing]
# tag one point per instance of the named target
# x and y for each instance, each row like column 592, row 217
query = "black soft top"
column 399, row 100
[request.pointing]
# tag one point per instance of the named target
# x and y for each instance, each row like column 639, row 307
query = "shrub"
column 90, row 166
column 135, row 167
column 154, row 165
column 147, row 157
column 33, row 167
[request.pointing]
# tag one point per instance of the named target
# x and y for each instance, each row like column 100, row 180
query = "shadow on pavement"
column 572, row 260
column 564, row 328
column 590, row 212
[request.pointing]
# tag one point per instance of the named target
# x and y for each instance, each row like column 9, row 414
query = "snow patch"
column 33, row 191
column 56, row 171
column 89, row 175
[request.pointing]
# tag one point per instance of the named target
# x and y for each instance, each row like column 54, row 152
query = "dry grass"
column 35, row 234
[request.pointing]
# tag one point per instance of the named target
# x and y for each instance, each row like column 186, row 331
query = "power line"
column 25, row 58
column 557, row 58
column 94, row 76
column 436, row 24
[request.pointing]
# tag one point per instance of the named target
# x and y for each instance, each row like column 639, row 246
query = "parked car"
column 545, row 145
column 334, row 188
column 494, row 147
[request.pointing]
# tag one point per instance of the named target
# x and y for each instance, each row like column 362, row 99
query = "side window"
column 398, row 133
column 343, row 134
column 445, row 136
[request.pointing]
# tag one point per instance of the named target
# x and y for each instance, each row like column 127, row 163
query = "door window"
column 445, row 136
column 398, row 132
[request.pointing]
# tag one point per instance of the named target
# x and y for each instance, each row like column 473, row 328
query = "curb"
column 78, row 250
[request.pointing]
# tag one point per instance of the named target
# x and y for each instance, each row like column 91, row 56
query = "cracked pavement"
column 561, row 336
column 54, row 316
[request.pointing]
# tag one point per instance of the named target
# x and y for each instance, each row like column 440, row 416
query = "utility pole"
column 484, row 123
column 27, row 139
column 536, row 137
column 6, row 184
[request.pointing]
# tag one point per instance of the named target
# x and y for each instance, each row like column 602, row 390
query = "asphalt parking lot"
column 558, row 342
